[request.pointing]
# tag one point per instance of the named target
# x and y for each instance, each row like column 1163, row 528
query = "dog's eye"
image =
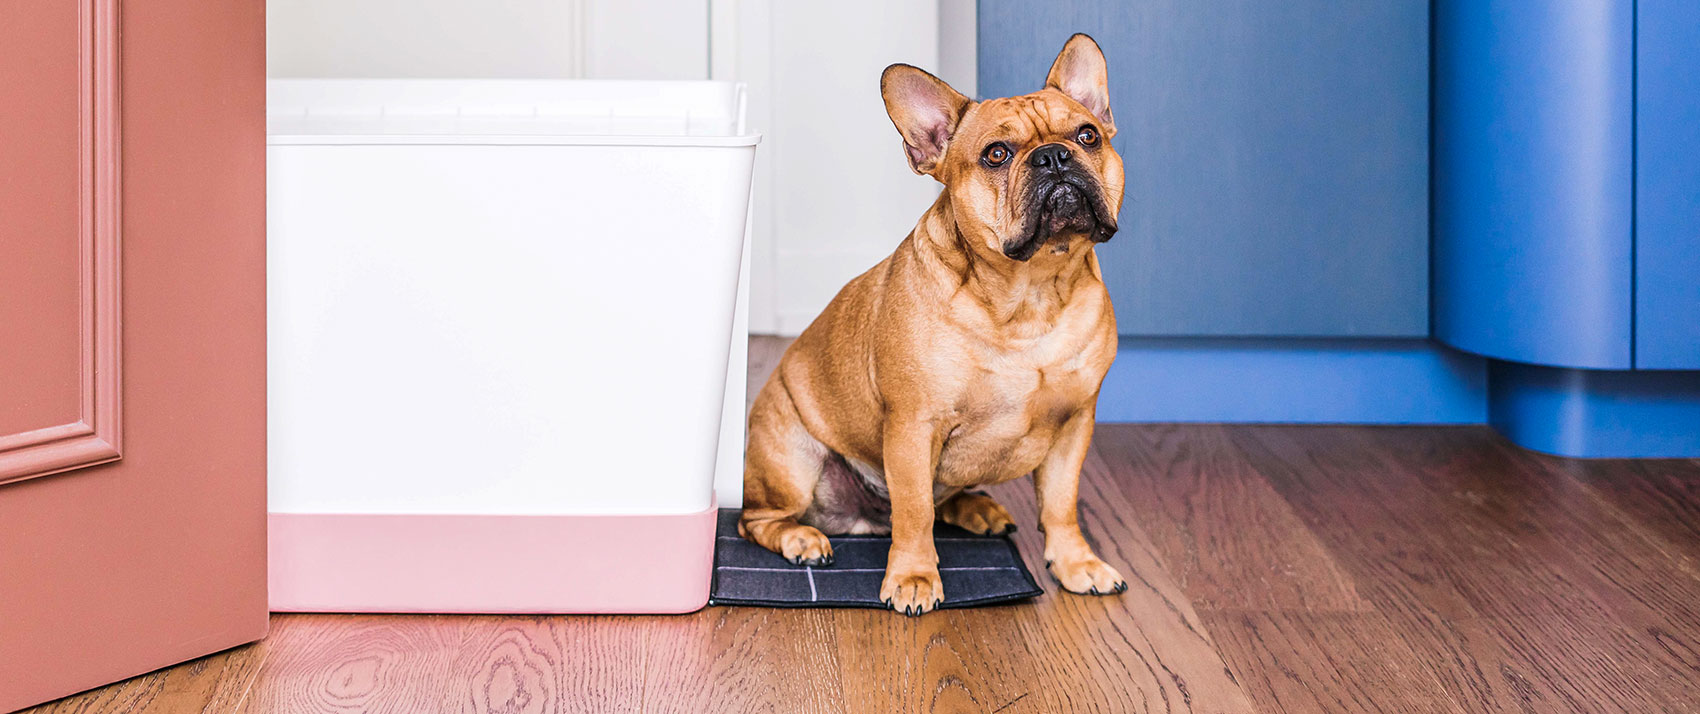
column 995, row 155
column 1087, row 136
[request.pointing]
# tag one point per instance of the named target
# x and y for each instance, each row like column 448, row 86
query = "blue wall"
column 1277, row 157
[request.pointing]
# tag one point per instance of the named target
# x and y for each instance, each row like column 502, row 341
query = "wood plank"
column 1145, row 649
column 1474, row 562
column 1366, row 520
column 1662, row 496
column 369, row 663
column 1650, row 588
column 958, row 661
column 750, row 659
column 1377, row 527
column 517, row 665
column 1564, row 664
column 1326, row 662
column 1227, row 538
column 1504, row 593
column 723, row 659
column 513, row 664
column 678, row 660
column 601, row 661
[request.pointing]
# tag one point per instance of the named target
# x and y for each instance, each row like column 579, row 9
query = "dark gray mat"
column 975, row 570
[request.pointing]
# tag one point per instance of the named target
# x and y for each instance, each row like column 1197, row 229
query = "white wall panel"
column 599, row 39
column 844, row 194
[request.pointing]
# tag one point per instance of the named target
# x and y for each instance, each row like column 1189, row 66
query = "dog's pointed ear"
column 925, row 111
column 1081, row 73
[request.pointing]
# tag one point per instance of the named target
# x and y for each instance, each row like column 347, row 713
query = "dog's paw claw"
column 912, row 594
column 1089, row 576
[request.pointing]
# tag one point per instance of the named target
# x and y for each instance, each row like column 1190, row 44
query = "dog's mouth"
column 1057, row 211
column 1065, row 211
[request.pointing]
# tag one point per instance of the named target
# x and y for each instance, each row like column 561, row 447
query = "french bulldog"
column 972, row 355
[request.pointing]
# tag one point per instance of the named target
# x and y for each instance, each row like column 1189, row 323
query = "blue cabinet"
column 1567, row 182
column 1567, row 217
column 1667, row 185
column 1533, row 142
column 1276, row 152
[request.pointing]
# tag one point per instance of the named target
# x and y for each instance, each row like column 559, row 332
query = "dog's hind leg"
column 782, row 466
column 976, row 513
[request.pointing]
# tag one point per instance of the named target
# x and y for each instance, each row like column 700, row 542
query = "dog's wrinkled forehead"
column 1036, row 117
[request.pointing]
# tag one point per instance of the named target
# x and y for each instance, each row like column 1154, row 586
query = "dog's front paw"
column 1087, row 576
column 805, row 545
column 912, row 593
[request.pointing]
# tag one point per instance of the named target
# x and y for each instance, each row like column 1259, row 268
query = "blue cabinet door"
column 1667, row 185
column 1533, row 137
column 1277, row 157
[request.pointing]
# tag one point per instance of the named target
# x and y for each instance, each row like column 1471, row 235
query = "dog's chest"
column 1009, row 415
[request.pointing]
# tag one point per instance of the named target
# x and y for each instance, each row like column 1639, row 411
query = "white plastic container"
column 500, row 320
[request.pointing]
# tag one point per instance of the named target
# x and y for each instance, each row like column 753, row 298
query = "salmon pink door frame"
column 95, row 437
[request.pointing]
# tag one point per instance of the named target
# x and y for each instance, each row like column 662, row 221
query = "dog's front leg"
column 1057, row 482
column 911, row 450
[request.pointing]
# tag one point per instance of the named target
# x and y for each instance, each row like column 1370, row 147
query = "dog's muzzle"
column 1063, row 201
column 1065, row 210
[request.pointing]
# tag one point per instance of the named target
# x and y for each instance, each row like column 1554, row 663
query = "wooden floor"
column 1273, row 569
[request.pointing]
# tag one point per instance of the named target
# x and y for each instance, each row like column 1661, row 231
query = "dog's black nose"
column 1049, row 156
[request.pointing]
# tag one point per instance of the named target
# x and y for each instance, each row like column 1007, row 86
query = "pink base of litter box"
column 491, row 564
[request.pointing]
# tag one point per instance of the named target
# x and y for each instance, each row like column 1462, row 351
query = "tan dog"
column 972, row 355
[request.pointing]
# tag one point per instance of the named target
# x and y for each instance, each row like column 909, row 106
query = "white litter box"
column 500, row 318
